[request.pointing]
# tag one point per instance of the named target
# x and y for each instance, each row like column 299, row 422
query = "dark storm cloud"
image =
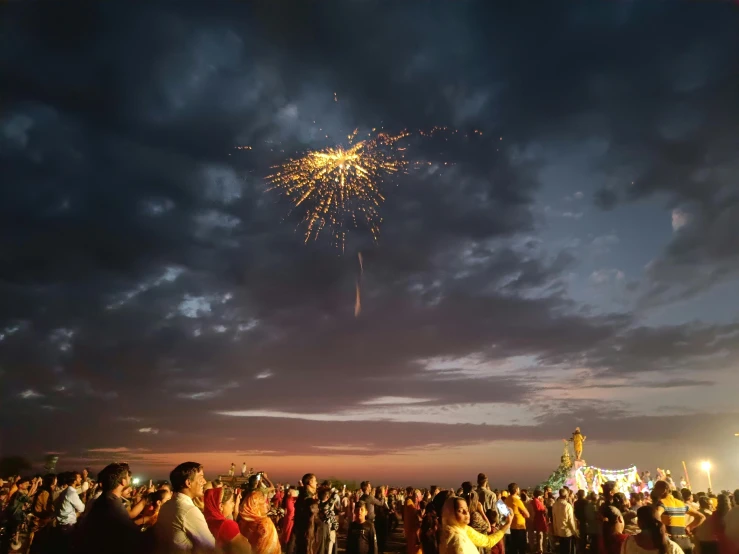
column 678, row 143
column 668, row 349
column 145, row 273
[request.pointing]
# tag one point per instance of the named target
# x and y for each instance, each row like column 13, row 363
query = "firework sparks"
column 338, row 185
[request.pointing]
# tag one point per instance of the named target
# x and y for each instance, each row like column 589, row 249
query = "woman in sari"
column 289, row 520
column 412, row 520
column 256, row 526
column 456, row 535
column 219, row 507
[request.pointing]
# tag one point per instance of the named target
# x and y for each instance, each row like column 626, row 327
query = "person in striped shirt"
column 673, row 513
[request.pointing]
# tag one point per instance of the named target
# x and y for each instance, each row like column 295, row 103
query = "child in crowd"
column 361, row 538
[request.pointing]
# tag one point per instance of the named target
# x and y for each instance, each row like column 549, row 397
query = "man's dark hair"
column 307, row 477
column 363, row 485
column 482, row 479
column 660, row 490
column 686, row 494
column 112, row 475
column 359, row 505
column 182, row 473
column 512, row 488
column 69, row 478
column 608, row 486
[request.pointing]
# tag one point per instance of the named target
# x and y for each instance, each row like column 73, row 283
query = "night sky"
column 576, row 264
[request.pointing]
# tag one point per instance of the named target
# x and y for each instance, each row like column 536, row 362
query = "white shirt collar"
column 184, row 498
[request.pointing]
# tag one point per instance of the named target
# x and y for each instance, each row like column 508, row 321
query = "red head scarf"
column 212, row 510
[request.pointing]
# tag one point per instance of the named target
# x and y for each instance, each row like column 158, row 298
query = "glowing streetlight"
column 706, row 466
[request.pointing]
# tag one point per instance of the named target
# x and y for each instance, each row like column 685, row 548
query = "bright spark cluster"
column 339, row 185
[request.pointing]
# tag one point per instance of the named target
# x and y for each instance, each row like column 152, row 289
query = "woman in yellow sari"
column 457, row 537
column 412, row 520
column 256, row 526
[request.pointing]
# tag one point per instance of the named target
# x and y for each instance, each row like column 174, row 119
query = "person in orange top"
column 411, row 520
column 256, row 525
column 519, row 515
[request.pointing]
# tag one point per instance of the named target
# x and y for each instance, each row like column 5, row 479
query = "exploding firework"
column 340, row 186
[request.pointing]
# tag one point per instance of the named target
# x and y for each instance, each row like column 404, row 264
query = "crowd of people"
column 71, row 513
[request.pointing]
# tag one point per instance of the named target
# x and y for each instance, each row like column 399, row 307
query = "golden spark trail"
column 338, row 184
column 358, row 298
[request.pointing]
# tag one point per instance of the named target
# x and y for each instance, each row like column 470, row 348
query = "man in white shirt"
column 66, row 507
column 181, row 526
column 563, row 519
column 69, row 503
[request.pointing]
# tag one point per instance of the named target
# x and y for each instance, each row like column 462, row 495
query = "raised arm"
column 74, row 499
column 485, row 541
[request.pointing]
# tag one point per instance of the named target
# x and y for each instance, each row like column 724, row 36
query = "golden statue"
column 577, row 439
